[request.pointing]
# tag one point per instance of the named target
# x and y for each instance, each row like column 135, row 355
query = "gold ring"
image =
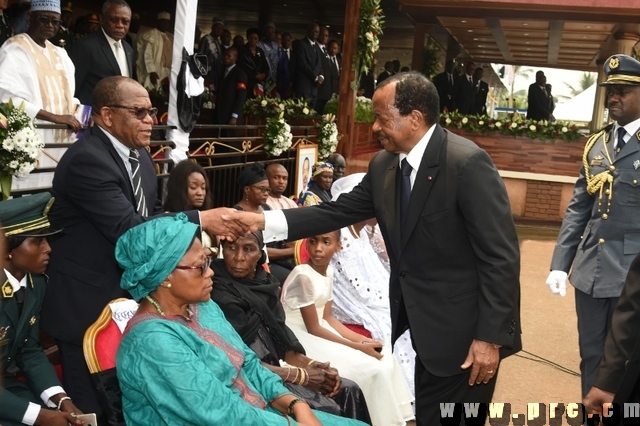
column 490, row 371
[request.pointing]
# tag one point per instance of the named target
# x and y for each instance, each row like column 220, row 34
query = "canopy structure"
column 579, row 108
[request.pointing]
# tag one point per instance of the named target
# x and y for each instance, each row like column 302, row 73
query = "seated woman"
column 188, row 189
column 255, row 191
column 319, row 185
column 34, row 399
column 180, row 362
column 361, row 285
column 248, row 296
column 307, row 300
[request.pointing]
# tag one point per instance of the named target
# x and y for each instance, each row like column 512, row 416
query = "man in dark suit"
column 324, row 90
column 481, row 90
column 388, row 72
column 104, row 185
column 445, row 84
column 232, row 92
column 308, row 76
column 540, row 101
column 285, row 71
column 103, row 53
column 446, row 220
column 464, row 92
column 27, row 378
column 335, row 60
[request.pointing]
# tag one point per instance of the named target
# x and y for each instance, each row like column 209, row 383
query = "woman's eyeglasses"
column 203, row 268
column 140, row 112
column 263, row 189
column 43, row 20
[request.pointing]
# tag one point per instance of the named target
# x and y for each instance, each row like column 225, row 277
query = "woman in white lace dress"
column 361, row 283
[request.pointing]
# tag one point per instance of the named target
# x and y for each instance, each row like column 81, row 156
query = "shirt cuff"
column 46, row 395
column 276, row 227
column 234, row 115
column 31, row 415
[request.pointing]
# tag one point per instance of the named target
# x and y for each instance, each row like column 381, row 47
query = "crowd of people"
column 465, row 93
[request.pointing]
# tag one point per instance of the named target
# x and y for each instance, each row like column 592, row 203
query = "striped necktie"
column 138, row 193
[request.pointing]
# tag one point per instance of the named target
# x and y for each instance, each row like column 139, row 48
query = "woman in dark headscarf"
column 249, row 297
column 180, row 362
column 319, row 185
column 255, row 189
column 253, row 61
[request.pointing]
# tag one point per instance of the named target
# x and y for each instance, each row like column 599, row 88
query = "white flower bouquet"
column 328, row 136
column 277, row 136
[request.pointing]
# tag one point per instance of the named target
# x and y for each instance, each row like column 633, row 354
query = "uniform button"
column 601, row 241
column 635, row 182
column 612, row 168
column 608, row 191
column 605, row 216
column 402, row 275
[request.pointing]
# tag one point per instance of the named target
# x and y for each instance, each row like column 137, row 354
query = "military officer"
column 30, row 392
column 600, row 233
column 65, row 36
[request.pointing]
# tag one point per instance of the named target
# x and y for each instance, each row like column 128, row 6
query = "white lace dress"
column 382, row 382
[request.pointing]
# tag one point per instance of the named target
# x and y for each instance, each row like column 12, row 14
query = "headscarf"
column 251, row 175
column 346, row 185
column 149, row 252
column 320, row 167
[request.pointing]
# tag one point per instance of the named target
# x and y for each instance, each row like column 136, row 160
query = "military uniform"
column 21, row 355
column 600, row 233
column 64, row 38
column 6, row 30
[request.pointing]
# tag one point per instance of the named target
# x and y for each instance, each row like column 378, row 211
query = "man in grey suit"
column 445, row 217
column 104, row 53
column 600, row 233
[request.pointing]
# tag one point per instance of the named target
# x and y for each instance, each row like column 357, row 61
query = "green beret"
column 27, row 216
column 149, row 252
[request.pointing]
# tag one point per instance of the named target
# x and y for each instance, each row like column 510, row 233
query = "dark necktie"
column 621, row 142
column 141, row 205
column 405, row 189
column 19, row 296
column 226, row 72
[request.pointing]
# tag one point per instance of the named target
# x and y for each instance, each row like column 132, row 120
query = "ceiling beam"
column 555, row 36
column 501, row 40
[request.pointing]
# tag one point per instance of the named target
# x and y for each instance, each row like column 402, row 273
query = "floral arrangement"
column 364, row 109
column 265, row 107
column 369, row 30
column 207, row 99
column 328, row 136
column 20, row 147
column 277, row 136
column 513, row 126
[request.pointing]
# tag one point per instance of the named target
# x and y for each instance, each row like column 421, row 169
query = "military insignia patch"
column 636, row 164
column 7, row 290
column 614, row 63
column 3, row 332
column 32, row 321
column 48, row 206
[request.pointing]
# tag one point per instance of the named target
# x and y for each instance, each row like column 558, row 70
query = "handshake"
column 229, row 224
column 557, row 282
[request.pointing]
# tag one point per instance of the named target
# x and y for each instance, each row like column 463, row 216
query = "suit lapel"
column 10, row 306
column 117, row 159
column 108, row 53
column 427, row 173
column 392, row 213
column 27, row 305
column 629, row 148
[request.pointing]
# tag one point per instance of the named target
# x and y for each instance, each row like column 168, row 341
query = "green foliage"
column 363, row 113
column 369, row 30
column 265, row 107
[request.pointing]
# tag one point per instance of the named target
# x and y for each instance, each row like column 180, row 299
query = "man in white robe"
column 154, row 53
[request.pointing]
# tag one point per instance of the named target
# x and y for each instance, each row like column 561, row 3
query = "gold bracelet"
column 312, row 361
column 302, row 376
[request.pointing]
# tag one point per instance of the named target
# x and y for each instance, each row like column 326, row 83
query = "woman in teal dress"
column 180, row 362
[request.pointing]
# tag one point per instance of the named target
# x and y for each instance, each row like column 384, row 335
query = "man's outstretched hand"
column 229, row 224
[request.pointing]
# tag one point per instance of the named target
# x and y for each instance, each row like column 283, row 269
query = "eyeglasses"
column 140, row 112
column 263, row 189
column 204, row 267
column 43, row 20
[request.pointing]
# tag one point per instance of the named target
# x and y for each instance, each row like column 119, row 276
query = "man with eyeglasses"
column 104, row 185
column 105, row 52
column 600, row 233
column 36, row 72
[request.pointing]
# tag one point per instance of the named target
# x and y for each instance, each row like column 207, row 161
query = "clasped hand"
column 230, row 224
column 324, row 379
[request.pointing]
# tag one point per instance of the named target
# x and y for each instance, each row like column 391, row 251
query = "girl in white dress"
column 307, row 299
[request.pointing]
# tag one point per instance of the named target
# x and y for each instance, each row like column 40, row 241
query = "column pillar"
column 597, row 118
column 418, row 46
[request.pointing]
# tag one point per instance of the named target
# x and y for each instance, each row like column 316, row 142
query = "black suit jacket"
column 334, row 76
column 445, row 90
column 480, row 99
column 464, row 95
column 455, row 263
column 94, row 60
column 95, row 206
column 308, row 67
column 324, row 90
column 232, row 94
column 620, row 365
column 539, row 103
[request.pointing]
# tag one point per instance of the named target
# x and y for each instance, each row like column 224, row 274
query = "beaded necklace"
column 159, row 309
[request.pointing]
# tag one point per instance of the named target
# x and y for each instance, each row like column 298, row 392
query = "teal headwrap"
column 149, row 252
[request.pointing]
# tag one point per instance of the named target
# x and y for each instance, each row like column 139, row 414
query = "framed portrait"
column 306, row 157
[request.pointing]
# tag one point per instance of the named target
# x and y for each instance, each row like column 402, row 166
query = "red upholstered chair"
column 300, row 252
column 100, row 345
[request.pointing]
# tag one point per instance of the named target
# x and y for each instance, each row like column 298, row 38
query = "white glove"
column 557, row 282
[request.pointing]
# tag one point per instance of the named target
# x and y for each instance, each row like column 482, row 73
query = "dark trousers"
column 594, row 322
column 77, row 380
column 432, row 390
column 20, row 389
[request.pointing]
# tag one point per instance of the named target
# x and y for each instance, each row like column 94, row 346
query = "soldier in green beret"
column 30, row 392
column 600, row 233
